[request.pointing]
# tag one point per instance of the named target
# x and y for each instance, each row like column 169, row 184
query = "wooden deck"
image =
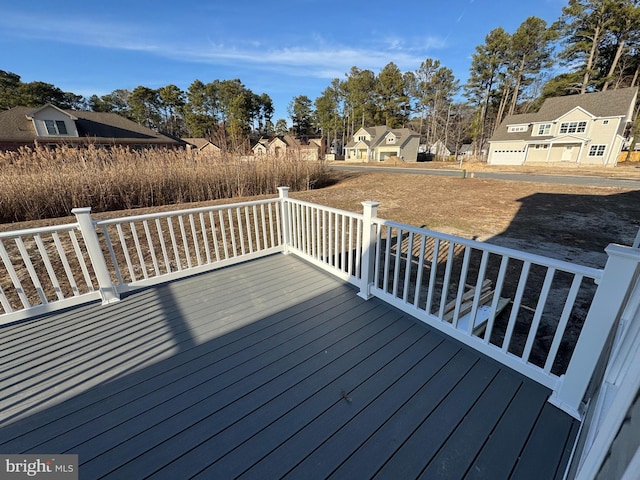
column 265, row 370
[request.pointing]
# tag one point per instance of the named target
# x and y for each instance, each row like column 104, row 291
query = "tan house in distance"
column 202, row 146
column 376, row 144
column 307, row 149
column 586, row 129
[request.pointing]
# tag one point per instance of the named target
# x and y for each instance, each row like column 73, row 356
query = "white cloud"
column 317, row 56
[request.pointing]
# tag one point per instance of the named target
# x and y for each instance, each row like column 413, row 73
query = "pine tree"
column 583, row 26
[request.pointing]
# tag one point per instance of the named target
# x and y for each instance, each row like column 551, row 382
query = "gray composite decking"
column 264, row 370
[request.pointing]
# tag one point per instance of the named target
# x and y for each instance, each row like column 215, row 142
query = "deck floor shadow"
column 269, row 369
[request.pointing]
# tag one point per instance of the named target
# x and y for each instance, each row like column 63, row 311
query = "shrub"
column 45, row 183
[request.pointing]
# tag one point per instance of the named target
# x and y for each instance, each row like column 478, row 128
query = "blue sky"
column 282, row 48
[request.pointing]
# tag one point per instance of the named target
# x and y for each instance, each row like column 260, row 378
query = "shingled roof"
column 600, row 104
column 16, row 126
column 379, row 133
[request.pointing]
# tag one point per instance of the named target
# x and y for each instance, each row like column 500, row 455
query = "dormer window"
column 544, row 129
column 56, row 127
column 517, row 128
column 362, row 138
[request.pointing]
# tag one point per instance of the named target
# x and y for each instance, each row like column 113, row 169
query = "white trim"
column 610, row 425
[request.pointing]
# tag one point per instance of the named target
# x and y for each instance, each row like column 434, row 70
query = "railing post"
column 613, row 289
column 284, row 209
column 370, row 211
column 85, row 223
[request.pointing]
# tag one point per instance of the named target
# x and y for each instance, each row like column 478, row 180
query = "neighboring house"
column 50, row 125
column 376, row 144
column 279, row 146
column 439, row 149
column 202, row 146
column 465, row 151
column 262, row 147
column 580, row 129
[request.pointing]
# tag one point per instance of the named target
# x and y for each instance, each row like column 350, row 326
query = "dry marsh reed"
column 45, row 183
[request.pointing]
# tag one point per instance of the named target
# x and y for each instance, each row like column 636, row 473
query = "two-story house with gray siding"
column 583, row 129
column 376, row 144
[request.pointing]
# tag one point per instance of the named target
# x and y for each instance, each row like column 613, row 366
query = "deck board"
column 268, row 369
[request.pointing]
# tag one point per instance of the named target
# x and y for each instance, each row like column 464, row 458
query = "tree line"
column 595, row 44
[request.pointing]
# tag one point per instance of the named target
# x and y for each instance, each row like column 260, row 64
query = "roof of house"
column 610, row 103
column 290, row 141
column 378, row 134
column 600, row 104
column 200, row 143
column 17, row 126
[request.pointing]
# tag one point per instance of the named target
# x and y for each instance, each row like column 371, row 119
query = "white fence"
column 149, row 249
column 42, row 270
column 327, row 237
column 545, row 318
column 47, row 269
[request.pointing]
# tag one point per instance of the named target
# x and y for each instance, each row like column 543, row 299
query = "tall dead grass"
column 46, row 183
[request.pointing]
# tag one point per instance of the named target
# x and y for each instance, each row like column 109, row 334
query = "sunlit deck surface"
column 264, row 370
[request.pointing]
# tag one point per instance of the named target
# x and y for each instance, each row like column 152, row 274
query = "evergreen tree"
column 171, row 102
column 359, row 103
column 583, row 26
column 144, row 107
column 530, row 52
column 9, row 85
column 487, row 65
column 391, row 96
column 301, row 112
column 624, row 39
column 327, row 113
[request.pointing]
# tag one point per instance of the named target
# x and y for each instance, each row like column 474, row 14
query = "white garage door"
column 506, row 157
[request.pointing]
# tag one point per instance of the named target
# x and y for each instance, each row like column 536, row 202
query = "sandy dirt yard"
column 567, row 222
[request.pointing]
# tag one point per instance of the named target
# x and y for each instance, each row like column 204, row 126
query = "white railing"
column 149, row 249
column 47, row 269
column 526, row 311
column 512, row 305
column 327, row 237
column 43, row 269
column 548, row 319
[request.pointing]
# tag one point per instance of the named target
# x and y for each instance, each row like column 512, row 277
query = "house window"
column 597, row 150
column 605, row 122
column 391, row 139
column 56, row 127
column 544, row 129
column 517, row 128
column 573, row 127
column 362, row 138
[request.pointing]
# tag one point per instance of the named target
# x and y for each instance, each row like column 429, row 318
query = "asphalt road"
column 589, row 181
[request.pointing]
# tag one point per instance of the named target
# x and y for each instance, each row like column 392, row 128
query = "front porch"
column 269, row 369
